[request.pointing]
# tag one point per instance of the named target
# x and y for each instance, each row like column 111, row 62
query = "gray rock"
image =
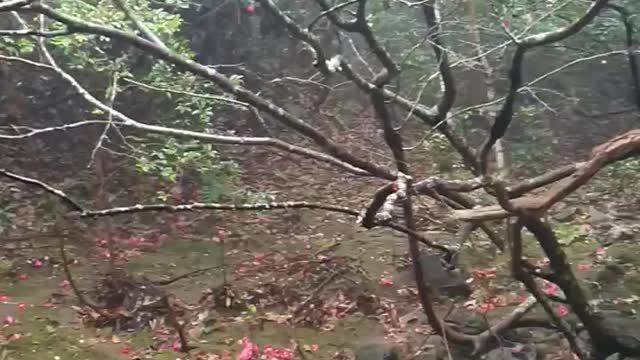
column 377, row 351
column 565, row 215
column 448, row 283
column 470, row 321
column 611, row 274
column 513, row 351
column 619, row 233
column 598, row 218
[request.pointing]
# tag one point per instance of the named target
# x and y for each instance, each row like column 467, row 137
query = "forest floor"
column 303, row 280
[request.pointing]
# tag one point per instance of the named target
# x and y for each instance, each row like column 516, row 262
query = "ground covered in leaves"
column 303, row 284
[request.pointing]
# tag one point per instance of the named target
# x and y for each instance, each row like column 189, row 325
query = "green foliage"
column 170, row 160
column 84, row 51
column 568, row 234
column 7, row 217
column 622, row 178
column 16, row 46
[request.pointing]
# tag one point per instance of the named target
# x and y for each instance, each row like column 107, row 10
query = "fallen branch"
column 316, row 292
column 72, row 283
column 77, row 211
column 184, row 276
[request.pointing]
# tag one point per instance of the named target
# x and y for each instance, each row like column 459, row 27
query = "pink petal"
column 583, row 267
column 9, row 320
column 562, row 311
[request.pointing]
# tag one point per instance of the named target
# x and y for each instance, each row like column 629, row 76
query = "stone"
column 619, row 233
column 448, row 283
column 470, row 321
column 598, row 218
column 565, row 215
column 611, row 274
column 513, row 351
column 377, row 351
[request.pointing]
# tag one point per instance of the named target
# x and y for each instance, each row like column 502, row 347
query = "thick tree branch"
column 449, row 95
column 517, row 269
column 619, row 148
column 603, row 341
column 625, row 16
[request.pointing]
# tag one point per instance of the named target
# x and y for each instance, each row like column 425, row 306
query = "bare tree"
column 398, row 185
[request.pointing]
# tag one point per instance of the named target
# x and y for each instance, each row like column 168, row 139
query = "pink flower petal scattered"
column 551, row 289
column 272, row 353
column 485, row 308
column 4, row 298
column 249, row 350
column 65, row 284
column 14, row 337
column 562, row 311
column 313, row 348
column 386, row 282
column 22, row 306
column 176, row 346
column 489, row 273
column 36, row 263
column 9, row 320
column 23, row 277
column 250, row 9
column 583, row 267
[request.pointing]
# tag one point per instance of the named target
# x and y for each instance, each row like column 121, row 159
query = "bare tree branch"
column 503, row 119
column 121, row 4
column 329, row 11
column 73, row 205
column 220, row 139
column 225, row 83
column 29, row 32
column 11, row 5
